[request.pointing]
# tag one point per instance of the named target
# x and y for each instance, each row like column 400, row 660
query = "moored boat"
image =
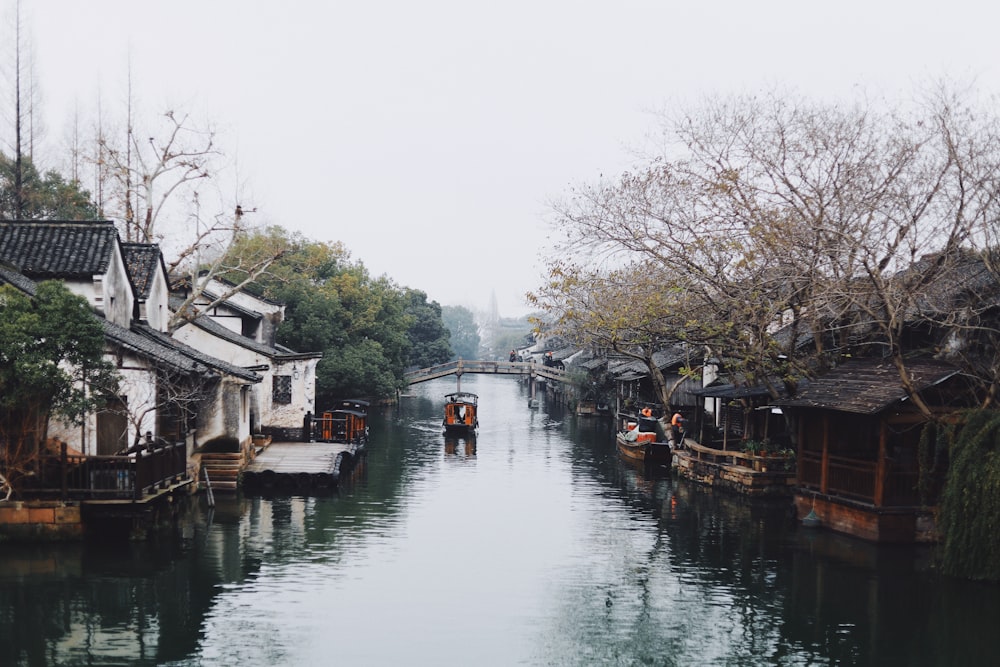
column 461, row 412
column 643, row 448
column 347, row 422
column 640, row 441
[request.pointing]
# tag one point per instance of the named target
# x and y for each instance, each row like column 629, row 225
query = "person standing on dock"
column 677, row 429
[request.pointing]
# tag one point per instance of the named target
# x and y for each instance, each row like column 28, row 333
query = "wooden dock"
column 301, row 467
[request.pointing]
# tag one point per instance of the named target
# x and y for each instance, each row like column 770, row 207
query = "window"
column 282, row 391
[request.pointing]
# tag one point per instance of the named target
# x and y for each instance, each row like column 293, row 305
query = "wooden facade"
column 858, row 436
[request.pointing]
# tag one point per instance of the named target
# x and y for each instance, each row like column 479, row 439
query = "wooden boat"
column 461, row 414
column 588, row 408
column 643, row 448
column 347, row 422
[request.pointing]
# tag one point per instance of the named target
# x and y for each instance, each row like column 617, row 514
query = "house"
column 148, row 273
column 635, row 389
column 857, row 440
column 241, row 329
column 169, row 391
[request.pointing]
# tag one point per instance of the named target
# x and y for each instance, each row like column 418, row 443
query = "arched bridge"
column 463, row 366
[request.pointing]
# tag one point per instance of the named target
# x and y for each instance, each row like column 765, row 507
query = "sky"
column 432, row 137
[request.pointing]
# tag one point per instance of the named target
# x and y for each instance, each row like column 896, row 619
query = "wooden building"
column 857, row 446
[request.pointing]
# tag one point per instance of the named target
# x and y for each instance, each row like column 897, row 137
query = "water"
column 538, row 547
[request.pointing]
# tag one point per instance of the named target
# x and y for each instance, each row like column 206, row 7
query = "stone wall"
column 40, row 521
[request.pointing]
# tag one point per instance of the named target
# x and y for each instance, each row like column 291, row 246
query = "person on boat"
column 646, row 422
column 677, row 429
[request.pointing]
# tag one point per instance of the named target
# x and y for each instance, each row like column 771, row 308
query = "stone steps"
column 223, row 469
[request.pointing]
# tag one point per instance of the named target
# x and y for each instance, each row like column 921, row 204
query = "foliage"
column 333, row 306
column 932, row 458
column 357, row 369
column 464, row 334
column 46, row 196
column 970, row 502
column 429, row 338
column 636, row 311
column 51, row 363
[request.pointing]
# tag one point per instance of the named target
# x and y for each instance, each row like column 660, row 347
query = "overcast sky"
column 430, row 136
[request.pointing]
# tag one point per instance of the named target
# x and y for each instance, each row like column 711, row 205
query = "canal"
column 534, row 546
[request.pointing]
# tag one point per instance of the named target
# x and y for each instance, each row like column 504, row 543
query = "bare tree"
column 151, row 169
column 212, row 255
column 785, row 221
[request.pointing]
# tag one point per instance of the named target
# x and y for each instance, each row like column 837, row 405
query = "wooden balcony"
column 858, row 480
column 131, row 477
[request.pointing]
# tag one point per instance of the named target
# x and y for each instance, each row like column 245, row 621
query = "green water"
column 535, row 547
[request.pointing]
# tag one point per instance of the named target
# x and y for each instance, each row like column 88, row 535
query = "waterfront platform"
column 744, row 473
column 301, row 467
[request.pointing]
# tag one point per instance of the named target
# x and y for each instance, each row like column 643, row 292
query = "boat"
column 346, row 422
column 639, row 443
column 643, row 448
column 461, row 415
column 588, row 408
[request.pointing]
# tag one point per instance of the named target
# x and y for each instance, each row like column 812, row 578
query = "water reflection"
column 460, row 446
column 529, row 544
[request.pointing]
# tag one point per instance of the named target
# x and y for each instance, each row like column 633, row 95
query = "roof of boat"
column 345, row 411
column 461, row 397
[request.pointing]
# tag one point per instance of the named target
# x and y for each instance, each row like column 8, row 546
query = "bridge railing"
column 491, row 367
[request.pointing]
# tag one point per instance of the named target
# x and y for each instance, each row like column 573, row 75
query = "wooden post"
column 64, row 469
column 880, row 464
column 825, row 465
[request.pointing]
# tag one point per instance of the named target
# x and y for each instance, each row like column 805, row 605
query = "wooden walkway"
column 300, row 466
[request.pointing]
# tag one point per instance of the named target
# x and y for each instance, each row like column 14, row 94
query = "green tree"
column 970, row 505
column 428, row 335
column 461, row 323
column 46, row 196
column 334, row 306
column 51, row 364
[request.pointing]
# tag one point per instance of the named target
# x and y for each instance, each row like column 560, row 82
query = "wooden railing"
column 489, row 367
column 851, row 478
column 735, row 457
column 107, row 477
column 857, row 479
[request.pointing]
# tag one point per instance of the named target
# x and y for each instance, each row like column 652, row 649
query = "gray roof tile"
column 58, row 249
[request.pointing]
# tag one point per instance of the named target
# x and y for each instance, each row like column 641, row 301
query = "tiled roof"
column 211, row 326
column 633, row 369
column 57, row 249
column 195, row 355
column 595, row 363
column 149, row 343
column 141, row 259
column 160, row 353
column 867, row 386
column 26, row 285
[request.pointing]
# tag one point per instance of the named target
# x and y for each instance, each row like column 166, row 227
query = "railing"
column 735, row 457
column 857, row 479
column 810, row 470
column 107, row 477
column 489, row 367
column 851, row 478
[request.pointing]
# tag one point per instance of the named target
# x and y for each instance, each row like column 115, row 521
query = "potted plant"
column 753, row 448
